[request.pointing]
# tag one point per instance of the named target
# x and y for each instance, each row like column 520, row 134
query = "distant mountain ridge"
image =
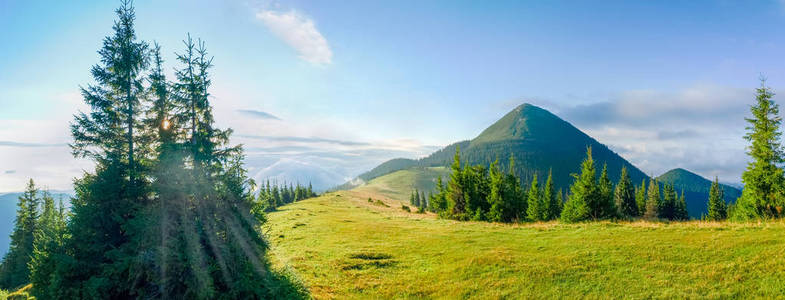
column 696, row 189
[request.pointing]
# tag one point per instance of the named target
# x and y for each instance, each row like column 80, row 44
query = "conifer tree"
column 535, row 210
column 667, row 208
column 640, row 197
column 456, row 193
column 653, row 200
column 762, row 196
column 624, row 196
column 47, row 247
column 582, row 192
column 717, row 206
column 439, row 202
column 604, row 207
column 14, row 271
column 551, row 200
column 681, row 208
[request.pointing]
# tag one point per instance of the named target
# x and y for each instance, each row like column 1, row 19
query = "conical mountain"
column 696, row 190
column 536, row 138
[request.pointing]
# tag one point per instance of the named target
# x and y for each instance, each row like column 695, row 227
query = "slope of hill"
column 537, row 139
column 696, row 190
column 398, row 185
column 344, row 247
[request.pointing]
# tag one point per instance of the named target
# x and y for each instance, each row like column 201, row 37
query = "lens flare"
column 165, row 124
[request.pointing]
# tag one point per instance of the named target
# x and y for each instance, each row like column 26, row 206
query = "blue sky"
column 330, row 89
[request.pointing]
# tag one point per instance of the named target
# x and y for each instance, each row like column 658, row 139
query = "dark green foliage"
column 763, row 179
column 605, row 207
column 456, row 191
column 671, row 207
column 583, row 193
column 640, row 197
column 48, row 247
column 653, row 200
column 551, row 199
column 536, row 210
column 624, row 196
column 14, row 271
column 696, row 189
column 681, row 208
column 717, row 207
column 270, row 197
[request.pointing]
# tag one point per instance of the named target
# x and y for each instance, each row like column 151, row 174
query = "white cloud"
column 300, row 33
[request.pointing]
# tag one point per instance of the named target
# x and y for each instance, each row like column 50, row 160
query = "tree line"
column 168, row 211
column 38, row 228
column 272, row 196
column 480, row 194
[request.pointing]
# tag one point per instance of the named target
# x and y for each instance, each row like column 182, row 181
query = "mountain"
column 696, row 190
column 8, row 209
column 293, row 171
column 536, row 138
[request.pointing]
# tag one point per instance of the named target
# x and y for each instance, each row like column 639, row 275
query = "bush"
column 405, row 208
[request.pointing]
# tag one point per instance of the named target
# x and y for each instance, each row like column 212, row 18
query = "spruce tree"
column 762, row 196
column 640, row 197
column 535, row 209
column 456, row 193
column 582, row 192
column 667, row 208
column 624, row 196
column 14, row 270
column 604, row 207
column 47, row 247
column 681, row 208
column 653, row 200
column 717, row 206
column 550, row 198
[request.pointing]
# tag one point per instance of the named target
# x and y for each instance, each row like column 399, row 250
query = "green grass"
column 400, row 184
column 345, row 247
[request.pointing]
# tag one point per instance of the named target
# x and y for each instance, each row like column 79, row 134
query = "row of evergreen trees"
column 474, row 193
column 39, row 227
column 272, row 196
column 168, row 211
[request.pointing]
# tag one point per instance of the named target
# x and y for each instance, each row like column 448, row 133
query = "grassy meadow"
column 343, row 246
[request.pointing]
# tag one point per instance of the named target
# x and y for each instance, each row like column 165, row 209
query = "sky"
column 325, row 90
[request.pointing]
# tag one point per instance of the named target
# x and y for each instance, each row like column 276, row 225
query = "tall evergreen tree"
column 535, row 210
column 47, row 247
column 604, row 207
column 14, row 271
column 456, row 193
column 762, row 196
column 624, row 196
column 582, row 192
column 717, row 206
column 667, row 208
column 681, row 208
column 640, row 197
column 551, row 199
column 653, row 200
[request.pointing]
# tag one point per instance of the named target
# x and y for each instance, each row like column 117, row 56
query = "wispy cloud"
column 258, row 114
column 304, row 140
column 300, row 33
column 658, row 130
column 28, row 145
column 10, row 172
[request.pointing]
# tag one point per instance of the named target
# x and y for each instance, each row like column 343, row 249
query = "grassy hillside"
column 342, row 246
column 696, row 190
column 399, row 185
